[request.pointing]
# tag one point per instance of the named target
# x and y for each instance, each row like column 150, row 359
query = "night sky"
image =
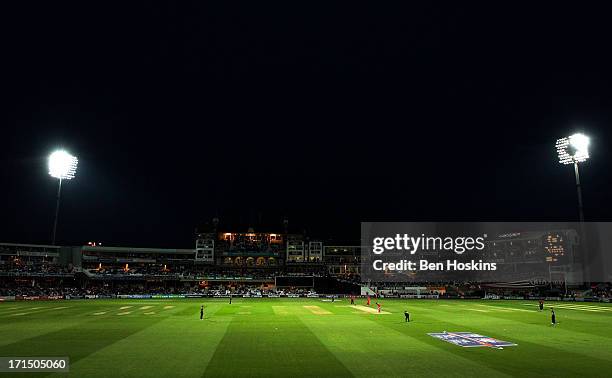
column 328, row 116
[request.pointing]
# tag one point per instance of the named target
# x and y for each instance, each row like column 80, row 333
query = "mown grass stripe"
column 290, row 349
column 378, row 346
column 166, row 347
column 541, row 335
column 78, row 340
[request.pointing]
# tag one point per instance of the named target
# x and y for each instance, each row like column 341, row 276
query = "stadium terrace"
column 254, row 263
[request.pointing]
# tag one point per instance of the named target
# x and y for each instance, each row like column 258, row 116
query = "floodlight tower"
column 62, row 166
column 573, row 150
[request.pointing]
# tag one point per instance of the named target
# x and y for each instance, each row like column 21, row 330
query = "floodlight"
column 62, row 165
column 573, row 149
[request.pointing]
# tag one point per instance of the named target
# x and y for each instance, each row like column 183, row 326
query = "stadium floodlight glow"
column 62, row 165
column 573, row 149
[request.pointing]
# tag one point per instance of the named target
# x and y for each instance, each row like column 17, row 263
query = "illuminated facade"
column 256, row 249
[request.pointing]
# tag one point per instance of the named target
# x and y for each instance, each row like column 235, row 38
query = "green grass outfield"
column 307, row 337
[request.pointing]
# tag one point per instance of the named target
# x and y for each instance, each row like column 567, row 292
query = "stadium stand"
column 268, row 264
